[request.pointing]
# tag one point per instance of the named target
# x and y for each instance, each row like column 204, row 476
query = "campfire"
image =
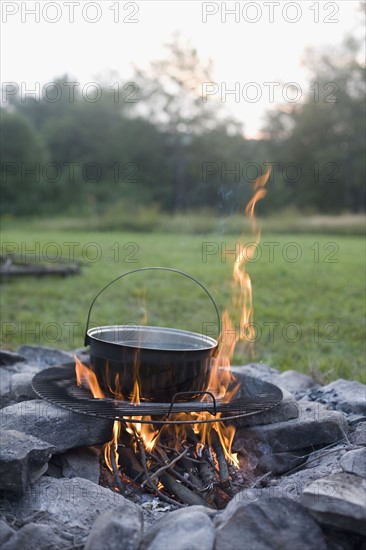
column 183, row 457
column 154, row 414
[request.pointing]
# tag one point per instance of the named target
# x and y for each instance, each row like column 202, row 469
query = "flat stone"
column 5, row 532
column 21, row 368
column 82, row 462
column 354, row 462
column 67, row 505
column 23, row 459
column 267, row 524
column 62, row 428
column 5, row 396
column 12, row 389
column 342, row 540
column 54, row 470
column 257, row 370
column 43, row 356
column 315, row 426
column 286, row 410
column 344, row 395
column 21, row 387
column 117, row 528
column 319, row 464
column 338, row 500
column 295, row 382
column 279, row 463
column 359, row 435
column 184, row 529
column 35, row 536
column 10, row 357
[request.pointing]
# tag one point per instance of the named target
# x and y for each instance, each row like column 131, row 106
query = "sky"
column 254, row 47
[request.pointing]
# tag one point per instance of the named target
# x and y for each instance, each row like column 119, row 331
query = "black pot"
column 165, row 361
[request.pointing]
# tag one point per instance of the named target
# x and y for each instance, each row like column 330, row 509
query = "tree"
column 22, row 158
column 325, row 134
column 171, row 96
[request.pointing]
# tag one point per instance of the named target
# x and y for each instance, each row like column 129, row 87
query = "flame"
column 221, row 381
column 226, row 437
column 85, row 376
column 145, row 431
column 135, row 398
column 112, row 446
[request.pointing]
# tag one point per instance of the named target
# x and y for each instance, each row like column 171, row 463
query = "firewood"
column 220, row 455
column 181, row 491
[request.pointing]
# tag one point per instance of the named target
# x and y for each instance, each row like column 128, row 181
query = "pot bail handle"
column 87, row 339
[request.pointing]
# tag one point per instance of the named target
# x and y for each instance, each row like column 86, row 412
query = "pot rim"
column 96, row 334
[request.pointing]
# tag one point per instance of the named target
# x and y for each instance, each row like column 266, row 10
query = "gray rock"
column 21, row 387
column 10, row 358
column 116, row 529
column 359, row 435
column 23, row 459
column 67, row 505
column 62, row 428
column 296, row 383
column 354, row 462
column 82, row 462
column 15, row 381
column 5, row 396
column 319, row 464
column 342, row 540
column 315, row 426
column 338, row 500
column 278, row 463
column 257, row 370
column 184, row 529
column 22, row 368
column 54, row 470
column 43, row 356
column 5, row 532
column 286, row 410
column 267, row 524
column 344, row 395
column 35, row 536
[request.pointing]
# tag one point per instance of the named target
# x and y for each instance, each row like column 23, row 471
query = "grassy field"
column 308, row 292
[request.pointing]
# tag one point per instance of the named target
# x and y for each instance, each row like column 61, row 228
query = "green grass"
column 317, row 301
column 143, row 219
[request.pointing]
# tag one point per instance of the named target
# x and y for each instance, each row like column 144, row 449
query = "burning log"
column 150, row 482
column 220, row 455
column 181, row 491
column 207, row 474
column 129, row 463
column 185, row 479
column 192, row 473
column 166, row 466
column 117, row 478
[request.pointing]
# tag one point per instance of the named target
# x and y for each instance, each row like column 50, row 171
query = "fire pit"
column 170, row 400
column 174, row 434
column 171, row 395
column 167, row 444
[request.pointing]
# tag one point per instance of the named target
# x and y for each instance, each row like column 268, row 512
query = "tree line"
column 152, row 141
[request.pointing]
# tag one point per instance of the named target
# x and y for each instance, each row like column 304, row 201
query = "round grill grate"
column 57, row 385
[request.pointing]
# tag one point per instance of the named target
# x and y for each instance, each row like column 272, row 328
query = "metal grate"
column 58, row 386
